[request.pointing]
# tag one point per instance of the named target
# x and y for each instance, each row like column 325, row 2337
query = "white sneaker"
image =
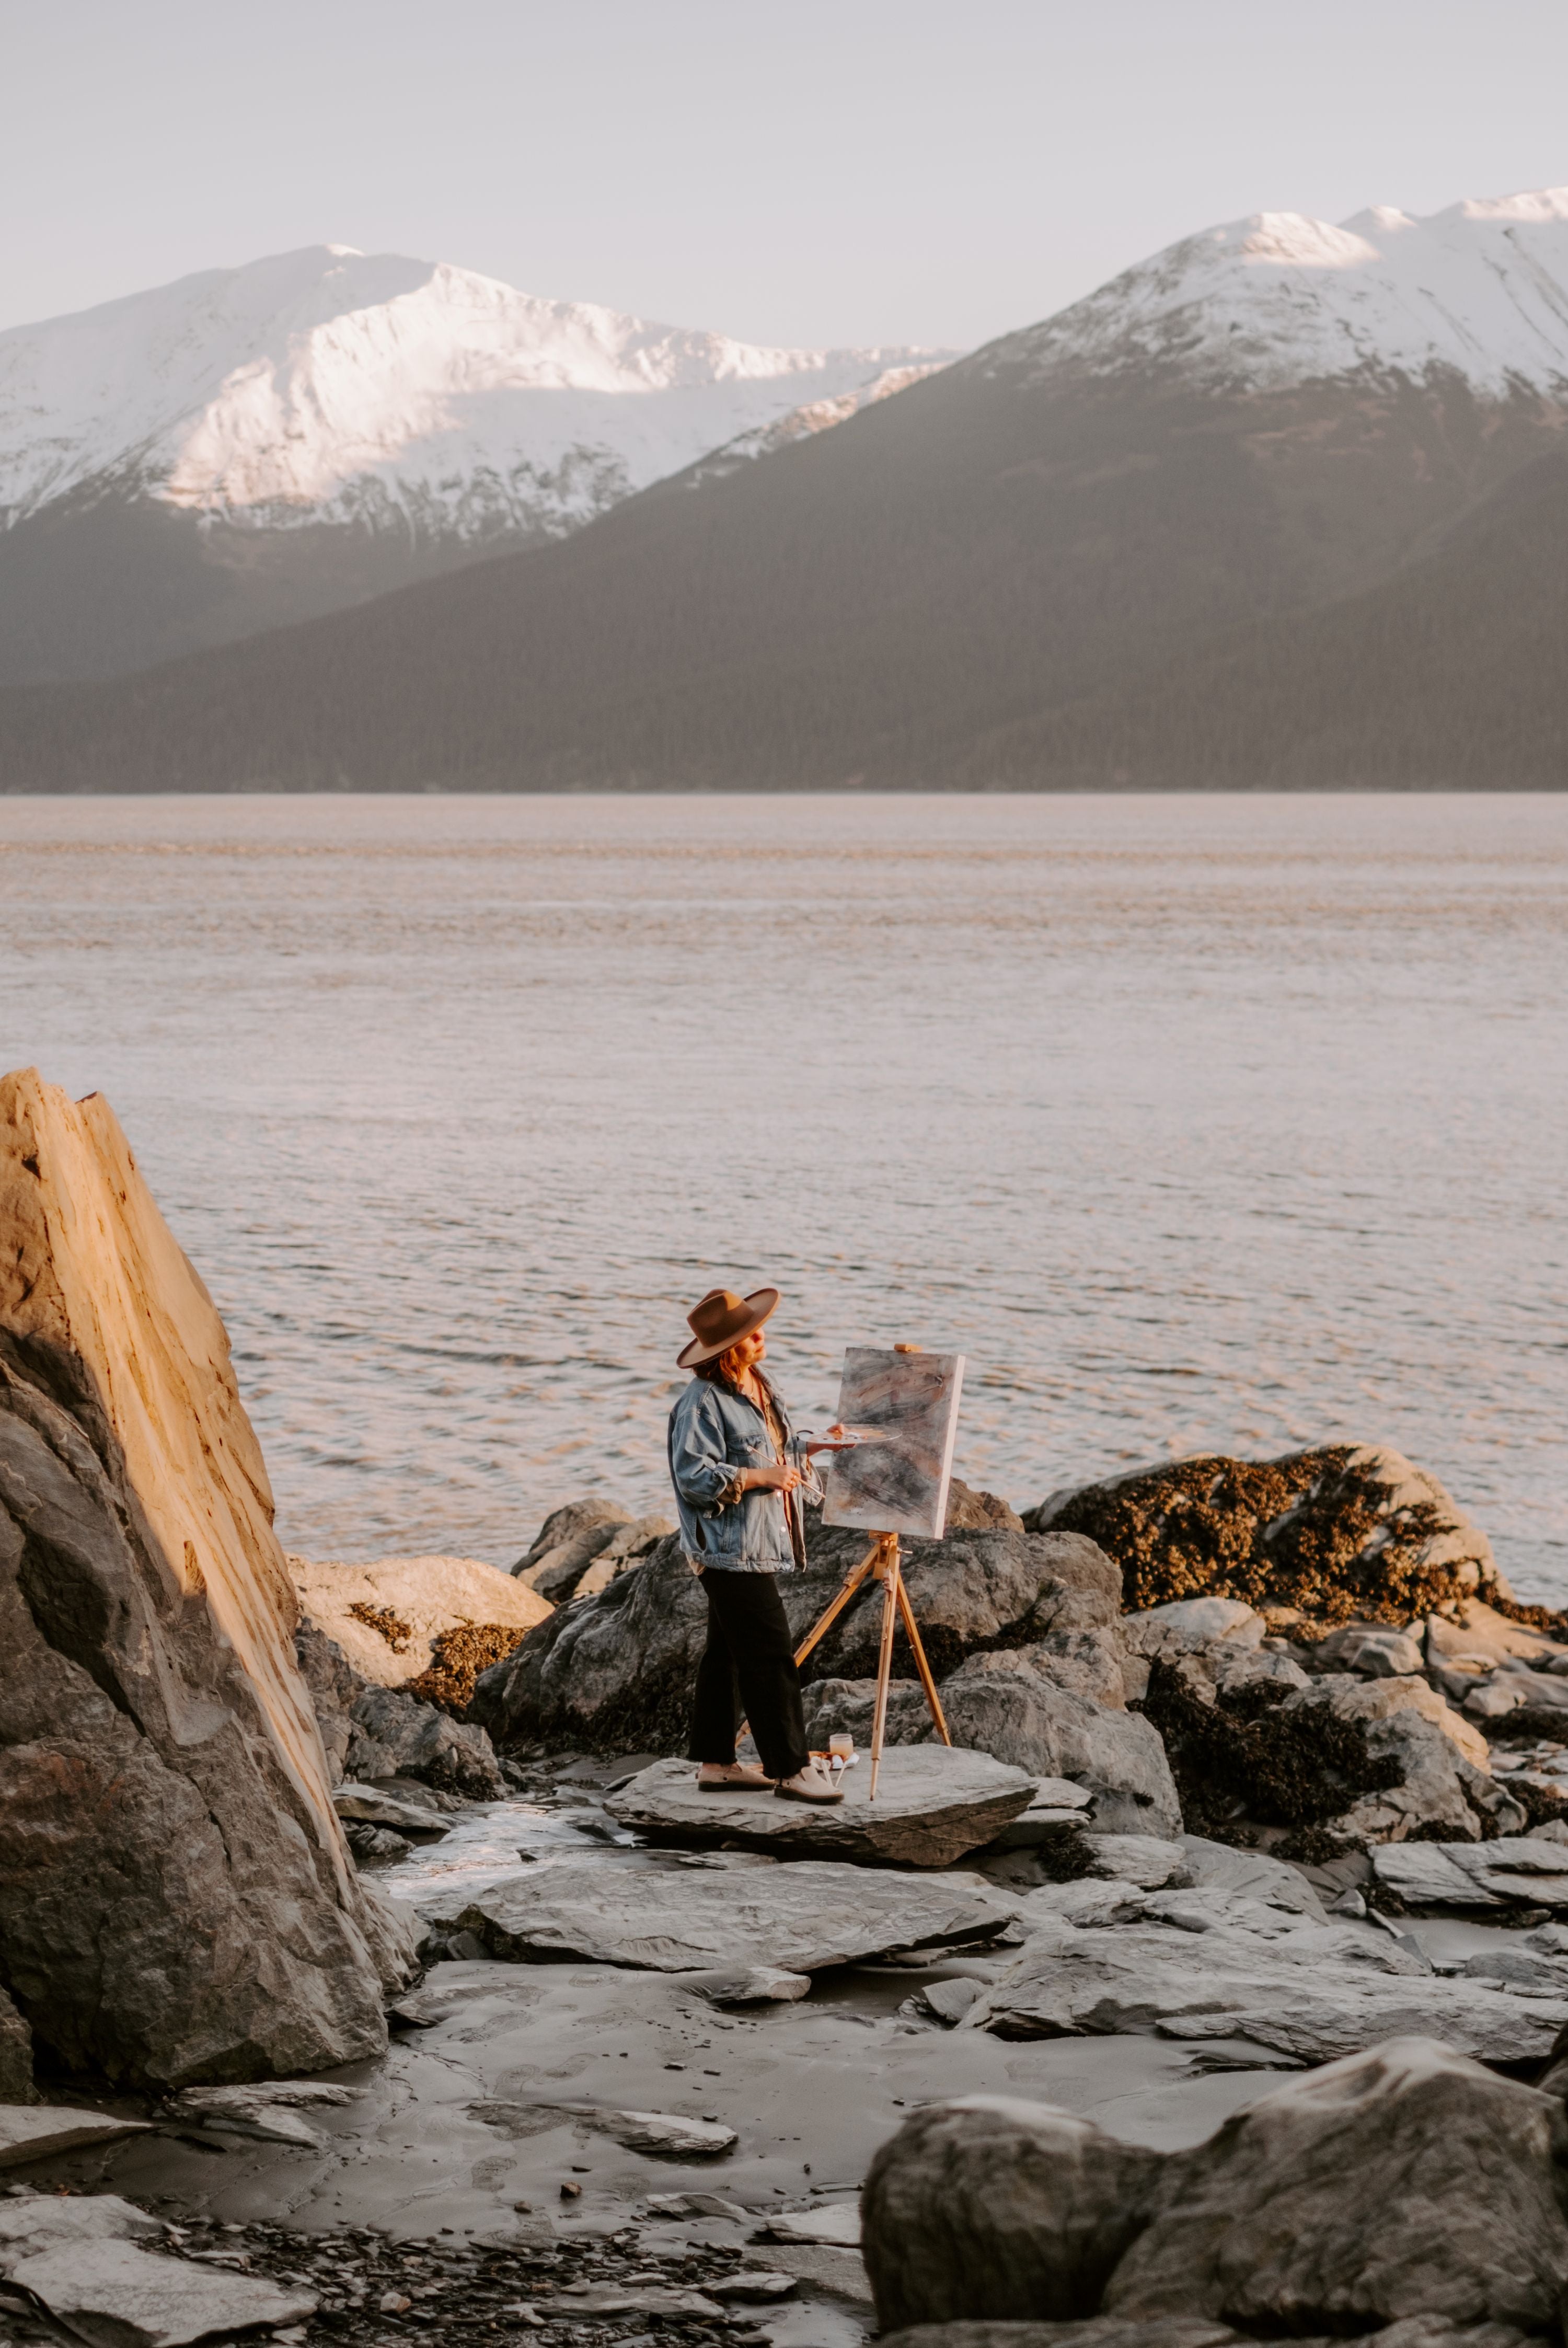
column 731, row 1778
column 811, row 1784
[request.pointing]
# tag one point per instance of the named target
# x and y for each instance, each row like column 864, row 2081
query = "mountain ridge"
column 1012, row 574
column 421, row 413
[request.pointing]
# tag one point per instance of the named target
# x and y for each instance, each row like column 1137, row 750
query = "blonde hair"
column 722, row 1371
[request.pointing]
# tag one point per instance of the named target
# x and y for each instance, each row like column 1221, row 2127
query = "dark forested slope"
column 1012, row 574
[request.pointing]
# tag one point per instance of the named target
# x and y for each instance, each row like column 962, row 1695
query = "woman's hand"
column 778, row 1478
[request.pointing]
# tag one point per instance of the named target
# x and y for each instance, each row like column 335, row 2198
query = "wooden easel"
column 882, row 1563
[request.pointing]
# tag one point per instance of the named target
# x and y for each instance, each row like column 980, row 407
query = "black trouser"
column 747, row 1666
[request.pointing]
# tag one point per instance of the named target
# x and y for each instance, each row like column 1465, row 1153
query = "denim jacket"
column 714, row 1432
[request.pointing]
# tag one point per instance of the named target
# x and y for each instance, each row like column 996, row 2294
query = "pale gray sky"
column 829, row 170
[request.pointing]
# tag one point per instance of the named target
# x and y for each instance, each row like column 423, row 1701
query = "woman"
column 734, row 1462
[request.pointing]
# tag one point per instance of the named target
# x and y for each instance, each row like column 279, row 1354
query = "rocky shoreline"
column 368, row 1966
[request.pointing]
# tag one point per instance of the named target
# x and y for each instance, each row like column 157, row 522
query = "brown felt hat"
column 721, row 1320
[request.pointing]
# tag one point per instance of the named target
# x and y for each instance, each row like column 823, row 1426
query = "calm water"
column 1196, row 1123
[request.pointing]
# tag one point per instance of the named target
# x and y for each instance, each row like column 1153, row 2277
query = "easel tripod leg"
column 912, row 1632
column 891, row 1585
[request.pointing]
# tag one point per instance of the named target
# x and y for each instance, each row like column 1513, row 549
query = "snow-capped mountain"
column 1478, row 291
column 331, row 386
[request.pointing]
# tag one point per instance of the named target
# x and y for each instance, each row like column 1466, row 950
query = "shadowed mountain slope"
column 1014, row 573
column 1449, row 675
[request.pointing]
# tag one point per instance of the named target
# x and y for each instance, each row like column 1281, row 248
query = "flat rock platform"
column 685, row 1916
column 933, row 1804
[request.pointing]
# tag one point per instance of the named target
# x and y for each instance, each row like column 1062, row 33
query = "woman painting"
column 734, row 1462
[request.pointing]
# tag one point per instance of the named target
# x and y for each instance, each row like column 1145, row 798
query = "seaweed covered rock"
column 427, row 1623
column 1338, row 1532
column 614, row 1671
column 177, row 1901
column 373, row 1732
column 1361, row 1760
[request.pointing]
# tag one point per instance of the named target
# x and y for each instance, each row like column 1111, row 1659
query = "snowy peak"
column 1480, row 290
column 333, row 384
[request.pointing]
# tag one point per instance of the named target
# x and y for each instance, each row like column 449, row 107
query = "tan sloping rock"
column 176, row 1898
column 388, row 1615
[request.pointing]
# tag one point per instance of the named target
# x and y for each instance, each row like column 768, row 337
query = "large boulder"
column 383, row 1732
column 1405, row 2181
column 427, row 1624
column 990, row 2207
column 1338, row 1532
column 581, row 1547
column 1402, row 2187
column 16, row 2057
column 1004, row 1703
column 614, row 1671
column 177, row 1901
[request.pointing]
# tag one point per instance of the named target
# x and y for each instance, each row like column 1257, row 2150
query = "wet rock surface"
column 177, row 1901
column 932, row 1807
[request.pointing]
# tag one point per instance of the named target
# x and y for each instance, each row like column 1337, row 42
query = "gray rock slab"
column 838, row 2226
column 1144, row 1859
column 800, row 1918
column 1227, row 1984
column 1514, row 1870
column 266, row 2114
column 757, row 2285
column 672, row 2132
column 950, row 2001
column 759, row 1985
column 114, row 2295
column 1425, row 1875
column 35, row 2131
column 932, row 1806
column 368, row 1805
column 633, row 2299
column 833, row 2267
column 31, row 2222
column 1057, row 1808
column 1221, row 1866
column 693, row 2205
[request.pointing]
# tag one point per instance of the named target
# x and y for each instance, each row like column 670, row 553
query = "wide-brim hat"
column 722, row 1319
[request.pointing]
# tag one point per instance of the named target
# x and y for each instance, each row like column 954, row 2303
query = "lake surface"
column 1196, row 1123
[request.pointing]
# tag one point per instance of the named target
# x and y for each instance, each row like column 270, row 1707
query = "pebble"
column 375, row 2291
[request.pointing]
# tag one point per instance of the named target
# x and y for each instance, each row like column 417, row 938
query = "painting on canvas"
column 897, row 1485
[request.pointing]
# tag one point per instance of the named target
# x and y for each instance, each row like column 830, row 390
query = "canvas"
column 900, row 1484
